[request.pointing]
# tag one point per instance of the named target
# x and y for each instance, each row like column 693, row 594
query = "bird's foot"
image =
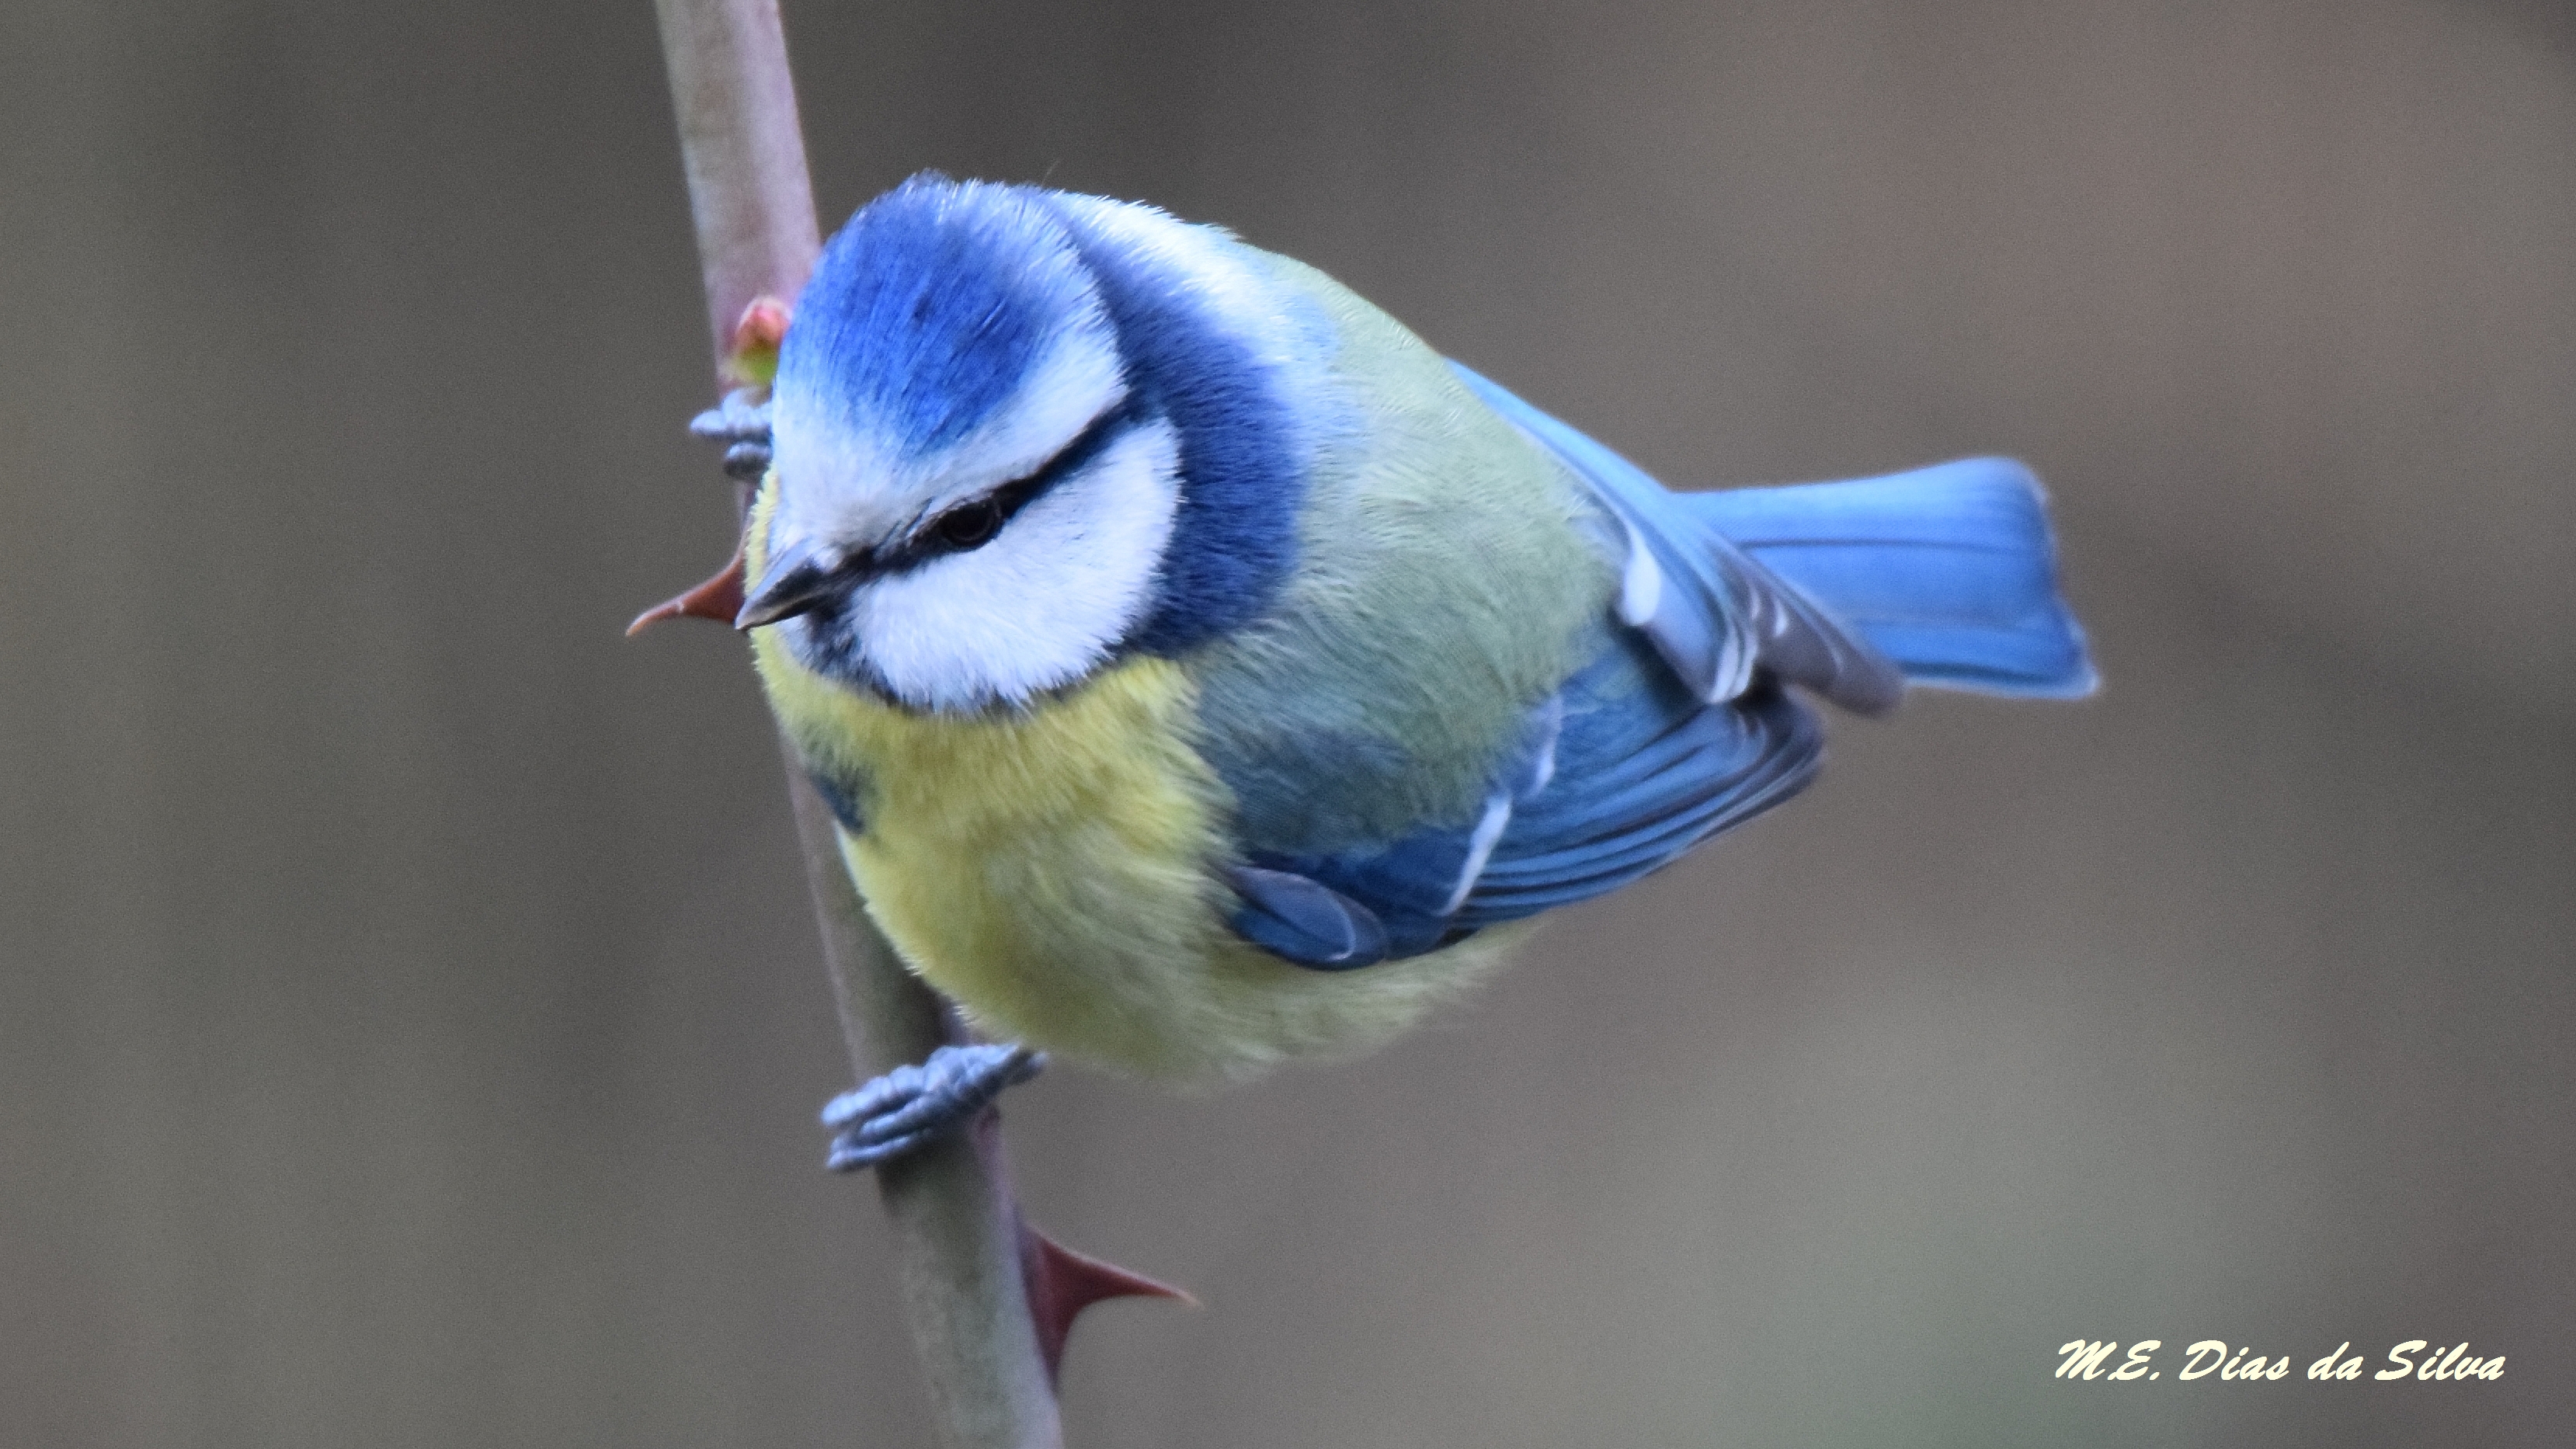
column 741, row 423
column 908, row 1106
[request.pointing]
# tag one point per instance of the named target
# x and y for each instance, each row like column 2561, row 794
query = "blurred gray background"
column 410, row 1024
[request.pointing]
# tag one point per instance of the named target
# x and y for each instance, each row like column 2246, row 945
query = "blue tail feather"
column 1948, row 570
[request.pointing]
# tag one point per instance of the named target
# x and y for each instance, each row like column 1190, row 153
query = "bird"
column 1205, row 673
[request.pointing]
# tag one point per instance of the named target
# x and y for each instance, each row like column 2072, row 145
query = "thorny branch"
column 957, row 1230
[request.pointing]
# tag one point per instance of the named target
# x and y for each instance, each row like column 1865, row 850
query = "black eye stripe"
column 934, row 538
column 931, row 538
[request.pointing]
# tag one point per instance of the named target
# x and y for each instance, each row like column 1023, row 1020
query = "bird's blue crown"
column 926, row 312
column 966, row 341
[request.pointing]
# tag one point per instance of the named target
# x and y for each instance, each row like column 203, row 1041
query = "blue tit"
column 1205, row 673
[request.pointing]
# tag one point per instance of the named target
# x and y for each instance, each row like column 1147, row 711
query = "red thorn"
column 1061, row 1283
column 719, row 598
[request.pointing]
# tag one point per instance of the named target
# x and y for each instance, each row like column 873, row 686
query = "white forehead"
column 848, row 479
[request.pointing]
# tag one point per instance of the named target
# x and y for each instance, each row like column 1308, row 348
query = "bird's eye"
column 970, row 526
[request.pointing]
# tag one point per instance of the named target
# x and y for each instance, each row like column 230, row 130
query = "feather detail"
column 1716, row 613
column 1948, row 570
column 1310, row 924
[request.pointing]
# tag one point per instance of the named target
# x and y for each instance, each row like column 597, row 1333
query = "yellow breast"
column 1053, row 871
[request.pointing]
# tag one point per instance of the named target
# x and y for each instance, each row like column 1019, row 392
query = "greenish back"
column 1452, row 574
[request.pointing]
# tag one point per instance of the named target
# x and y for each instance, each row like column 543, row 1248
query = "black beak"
column 798, row 580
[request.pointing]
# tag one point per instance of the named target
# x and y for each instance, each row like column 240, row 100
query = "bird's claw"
column 910, row 1105
column 741, row 423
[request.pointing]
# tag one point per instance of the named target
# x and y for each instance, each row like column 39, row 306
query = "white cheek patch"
column 1041, row 605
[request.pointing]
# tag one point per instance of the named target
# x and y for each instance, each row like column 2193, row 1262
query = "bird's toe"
column 911, row 1105
column 741, row 423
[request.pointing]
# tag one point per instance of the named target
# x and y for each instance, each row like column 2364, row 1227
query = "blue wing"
column 1644, row 773
column 1621, row 772
column 1713, row 612
column 1678, row 728
column 1681, row 726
